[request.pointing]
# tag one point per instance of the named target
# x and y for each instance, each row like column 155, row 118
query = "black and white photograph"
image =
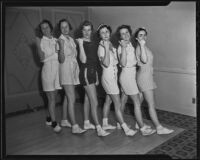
column 100, row 80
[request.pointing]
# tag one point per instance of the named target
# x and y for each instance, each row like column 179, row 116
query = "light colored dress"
column 69, row 69
column 127, row 76
column 109, row 76
column 50, row 69
column 145, row 73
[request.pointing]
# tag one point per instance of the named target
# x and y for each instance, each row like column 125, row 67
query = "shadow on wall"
column 36, row 59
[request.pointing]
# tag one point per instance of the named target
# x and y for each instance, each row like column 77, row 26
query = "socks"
column 54, row 124
column 86, row 122
column 105, row 121
column 48, row 119
column 159, row 127
column 75, row 126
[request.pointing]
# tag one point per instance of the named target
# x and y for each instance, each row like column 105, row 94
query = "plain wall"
column 172, row 39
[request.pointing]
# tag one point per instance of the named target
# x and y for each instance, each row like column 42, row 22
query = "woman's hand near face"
column 80, row 41
column 123, row 43
column 105, row 44
column 142, row 42
column 82, row 55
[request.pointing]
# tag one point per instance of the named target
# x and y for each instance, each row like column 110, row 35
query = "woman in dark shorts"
column 88, row 76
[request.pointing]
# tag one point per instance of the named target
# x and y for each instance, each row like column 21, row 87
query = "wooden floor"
column 27, row 134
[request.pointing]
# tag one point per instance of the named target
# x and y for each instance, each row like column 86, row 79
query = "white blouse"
column 48, row 46
column 113, row 55
column 131, row 57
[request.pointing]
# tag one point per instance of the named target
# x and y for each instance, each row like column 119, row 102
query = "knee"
column 118, row 104
column 108, row 103
column 137, row 104
column 72, row 99
column 52, row 100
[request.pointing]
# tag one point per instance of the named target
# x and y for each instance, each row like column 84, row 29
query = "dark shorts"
column 87, row 75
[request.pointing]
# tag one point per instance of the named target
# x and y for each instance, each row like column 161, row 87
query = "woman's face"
column 46, row 30
column 64, row 28
column 104, row 34
column 87, row 31
column 124, row 34
column 142, row 35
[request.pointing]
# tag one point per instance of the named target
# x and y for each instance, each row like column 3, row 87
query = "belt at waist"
column 128, row 67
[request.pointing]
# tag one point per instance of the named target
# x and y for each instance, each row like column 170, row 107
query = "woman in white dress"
column 145, row 79
column 50, row 71
column 108, row 58
column 69, row 72
column 127, row 78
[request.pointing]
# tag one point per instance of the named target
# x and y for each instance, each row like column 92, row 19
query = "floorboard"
column 27, row 134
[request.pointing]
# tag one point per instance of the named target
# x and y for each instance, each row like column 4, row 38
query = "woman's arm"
column 40, row 52
column 123, row 54
column 82, row 55
column 103, row 53
column 61, row 56
column 143, row 55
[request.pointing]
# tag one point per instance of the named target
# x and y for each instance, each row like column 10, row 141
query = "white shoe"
column 77, row 129
column 57, row 128
column 88, row 126
column 108, row 126
column 137, row 126
column 119, row 126
column 130, row 132
column 65, row 123
column 48, row 123
column 164, row 130
column 147, row 131
column 102, row 133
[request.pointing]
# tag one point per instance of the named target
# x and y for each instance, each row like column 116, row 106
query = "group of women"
column 61, row 70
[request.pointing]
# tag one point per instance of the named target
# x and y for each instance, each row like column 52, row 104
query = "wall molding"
column 176, row 70
column 29, row 8
column 24, row 94
column 54, row 11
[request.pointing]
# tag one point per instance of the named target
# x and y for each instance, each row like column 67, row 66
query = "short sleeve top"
column 131, row 57
column 69, row 46
column 113, row 55
column 48, row 46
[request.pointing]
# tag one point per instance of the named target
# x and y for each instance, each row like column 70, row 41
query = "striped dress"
column 144, row 76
